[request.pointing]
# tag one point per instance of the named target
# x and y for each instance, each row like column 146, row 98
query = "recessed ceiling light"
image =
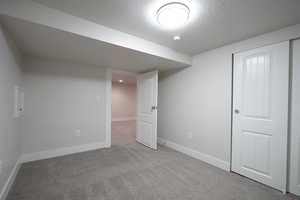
column 176, row 37
column 121, row 81
column 173, row 15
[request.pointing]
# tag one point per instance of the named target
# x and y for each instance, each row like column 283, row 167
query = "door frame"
column 108, row 93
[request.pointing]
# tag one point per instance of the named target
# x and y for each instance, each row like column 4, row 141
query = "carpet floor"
column 133, row 172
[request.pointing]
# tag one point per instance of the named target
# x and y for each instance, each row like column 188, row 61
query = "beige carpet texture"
column 131, row 171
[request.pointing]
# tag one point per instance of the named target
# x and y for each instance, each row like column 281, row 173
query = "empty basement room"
column 148, row 100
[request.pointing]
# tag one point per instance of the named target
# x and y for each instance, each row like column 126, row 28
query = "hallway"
column 123, row 133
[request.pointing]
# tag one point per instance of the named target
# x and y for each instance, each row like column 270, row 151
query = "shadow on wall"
column 165, row 74
column 62, row 69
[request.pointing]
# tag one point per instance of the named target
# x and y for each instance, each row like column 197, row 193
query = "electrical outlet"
column 0, row 167
column 78, row 132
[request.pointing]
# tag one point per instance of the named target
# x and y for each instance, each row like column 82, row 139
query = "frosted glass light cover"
column 173, row 15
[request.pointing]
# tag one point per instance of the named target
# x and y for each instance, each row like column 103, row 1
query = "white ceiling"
column 45, row 42
column 219, row 22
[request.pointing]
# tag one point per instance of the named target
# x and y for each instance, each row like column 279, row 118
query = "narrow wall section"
column 10, row 143
column 294, row 184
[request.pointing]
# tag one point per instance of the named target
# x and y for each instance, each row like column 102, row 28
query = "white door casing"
column 260, row 114
column 147, row 91
column 294, row 184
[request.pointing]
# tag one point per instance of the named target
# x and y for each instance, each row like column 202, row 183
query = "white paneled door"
column 260, row 114
column 295, row 125
column 147, row 89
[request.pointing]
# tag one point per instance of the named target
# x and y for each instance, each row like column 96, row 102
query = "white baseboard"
column 161, row 141
column 61, row 152
column 123, row 119
column 44, row 155
column 196, row 154
column 10, row 181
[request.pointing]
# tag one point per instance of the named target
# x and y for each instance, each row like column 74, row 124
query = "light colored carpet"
column 133, row 172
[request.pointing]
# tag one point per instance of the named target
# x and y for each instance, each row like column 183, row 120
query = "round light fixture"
column 176, row 37
column 173, row 15
column 121, row 81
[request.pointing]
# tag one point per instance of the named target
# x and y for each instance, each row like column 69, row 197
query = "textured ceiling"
column 218, row 22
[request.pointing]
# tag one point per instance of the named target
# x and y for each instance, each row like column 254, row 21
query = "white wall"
column 295, row 125
column 10, row 150
column 195, row 103
column 61, row 98
column 123, row 101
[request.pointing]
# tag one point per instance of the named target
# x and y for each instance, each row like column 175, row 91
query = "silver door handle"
column 153, row 108
column 236, row 111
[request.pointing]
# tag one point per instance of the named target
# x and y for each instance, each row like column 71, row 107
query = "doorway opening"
column 124, row 108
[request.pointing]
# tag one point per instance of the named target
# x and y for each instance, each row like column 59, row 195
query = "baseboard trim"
column 123, row 119
column 196, row 154
column 161, row 141
column 10, row 181
column 61, row 152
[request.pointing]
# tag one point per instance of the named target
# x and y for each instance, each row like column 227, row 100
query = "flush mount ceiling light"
column 121, row 81
column 176, row 37
column 173, row 15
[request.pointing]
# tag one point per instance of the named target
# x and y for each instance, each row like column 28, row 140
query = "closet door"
column 260, row 114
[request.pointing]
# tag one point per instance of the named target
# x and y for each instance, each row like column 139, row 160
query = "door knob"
column 236, row 111
column 153, row 108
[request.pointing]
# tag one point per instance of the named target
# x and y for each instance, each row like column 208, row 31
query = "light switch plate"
column 78, row 132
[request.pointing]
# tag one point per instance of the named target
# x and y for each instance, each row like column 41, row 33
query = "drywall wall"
column 65, row 105
column 194, row 104
column 294, row 184
column 10, row 150
column 123, row 101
